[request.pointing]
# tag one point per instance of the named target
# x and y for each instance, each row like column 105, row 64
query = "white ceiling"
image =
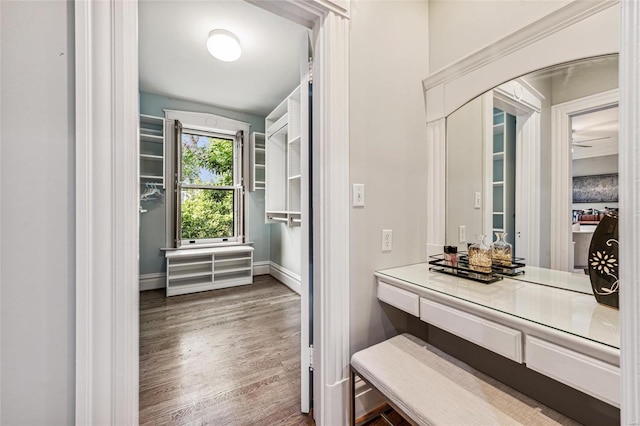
column 595, row 134
column 174, row 60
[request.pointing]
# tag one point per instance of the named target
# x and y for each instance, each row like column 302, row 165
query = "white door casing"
column 107, row 295
column 561, row 246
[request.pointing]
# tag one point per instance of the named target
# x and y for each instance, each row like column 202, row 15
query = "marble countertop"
column 562, row 300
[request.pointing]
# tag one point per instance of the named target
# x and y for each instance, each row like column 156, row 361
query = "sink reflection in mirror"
column 518, row 147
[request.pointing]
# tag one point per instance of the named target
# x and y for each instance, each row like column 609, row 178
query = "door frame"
column 107, row 293
column 519, row 99
column 561, row 246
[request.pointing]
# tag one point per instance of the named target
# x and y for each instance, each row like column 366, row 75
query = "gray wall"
column 461, row 27
column 37, row 213
column 152, row 223
column 388, row 153
column 464, row 172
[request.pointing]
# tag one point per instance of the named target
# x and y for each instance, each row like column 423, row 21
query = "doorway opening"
column 188, row 243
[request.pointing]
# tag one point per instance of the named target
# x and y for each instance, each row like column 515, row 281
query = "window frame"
column 236, row 187
column 225, row 128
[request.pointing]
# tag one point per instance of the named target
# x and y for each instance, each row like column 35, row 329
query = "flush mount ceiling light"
column 224, row 45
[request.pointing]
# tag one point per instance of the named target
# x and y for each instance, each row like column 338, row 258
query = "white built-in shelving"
column 257, row 159
column 503, row 179
column 152, row 149
column 283, row 168
column 193, row 270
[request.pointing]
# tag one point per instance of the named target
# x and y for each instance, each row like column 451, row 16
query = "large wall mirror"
column 536, row 157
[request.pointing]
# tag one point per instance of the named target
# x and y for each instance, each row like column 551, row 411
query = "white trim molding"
column 153, row 281
column 331, row 220
column 572, row 13
column 561, row 238
column 107, row 294
column 285, row 276
column 436, row 185
column 261, row 268
column 629, row 163
column 564, row 35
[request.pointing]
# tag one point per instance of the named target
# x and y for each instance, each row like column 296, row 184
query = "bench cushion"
column 433, row 388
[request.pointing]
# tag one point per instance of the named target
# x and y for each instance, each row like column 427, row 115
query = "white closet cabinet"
column 504, row 160
column 283, row 169
column 193, row 270
column 257, row 158
column 152, row 149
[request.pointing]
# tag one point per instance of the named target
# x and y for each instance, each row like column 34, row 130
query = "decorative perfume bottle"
column 480, row 256
column 501, row 250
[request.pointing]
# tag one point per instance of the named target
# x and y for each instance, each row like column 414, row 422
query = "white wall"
column 37, row 213
column 459, row 28
column 388, row 60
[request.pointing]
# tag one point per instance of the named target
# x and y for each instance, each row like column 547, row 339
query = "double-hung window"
column 209, row 193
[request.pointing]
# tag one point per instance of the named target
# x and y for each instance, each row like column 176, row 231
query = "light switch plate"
column 477, row 200
column 358, row 195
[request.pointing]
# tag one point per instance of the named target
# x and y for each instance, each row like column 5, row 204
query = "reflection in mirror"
column 514, row 152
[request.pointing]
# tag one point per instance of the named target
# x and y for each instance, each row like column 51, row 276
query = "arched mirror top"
column 576, row 31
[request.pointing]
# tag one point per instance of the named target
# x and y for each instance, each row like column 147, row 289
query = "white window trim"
column 209, row 123
column 237, row 188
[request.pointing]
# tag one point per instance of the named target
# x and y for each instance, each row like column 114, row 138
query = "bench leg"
column 352, row 397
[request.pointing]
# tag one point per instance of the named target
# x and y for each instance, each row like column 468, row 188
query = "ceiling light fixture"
column 224, row 45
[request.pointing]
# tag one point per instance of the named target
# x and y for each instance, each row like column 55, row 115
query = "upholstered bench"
column 428, row 387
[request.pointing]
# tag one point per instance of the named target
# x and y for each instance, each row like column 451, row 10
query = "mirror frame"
column 565, row 35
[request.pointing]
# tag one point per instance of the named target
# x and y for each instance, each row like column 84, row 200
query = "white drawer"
column 401, row 299
column 589, row 375
column 495, row 337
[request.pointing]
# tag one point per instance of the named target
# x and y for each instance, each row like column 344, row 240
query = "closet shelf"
column 177, row 276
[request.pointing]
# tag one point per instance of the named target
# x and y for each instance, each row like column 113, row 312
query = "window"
column 209, row 187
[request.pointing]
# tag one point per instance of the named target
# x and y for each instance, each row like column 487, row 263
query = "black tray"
column 462, row 270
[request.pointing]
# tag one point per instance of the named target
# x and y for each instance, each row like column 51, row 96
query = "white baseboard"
column 261, row 268
column 367, row 398
column 285, row 276
column 153, row 281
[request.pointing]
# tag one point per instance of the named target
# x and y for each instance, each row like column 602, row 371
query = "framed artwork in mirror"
column 595, row 188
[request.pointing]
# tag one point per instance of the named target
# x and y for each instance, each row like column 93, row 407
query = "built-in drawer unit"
column 399, row 298
column 589, row 375
column 493, row 336
column 200, row 269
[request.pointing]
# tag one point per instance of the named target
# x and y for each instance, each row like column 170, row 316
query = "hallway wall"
column 388, row 153
column 37, row 213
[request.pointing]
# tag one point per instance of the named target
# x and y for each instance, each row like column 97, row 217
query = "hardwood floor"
column 223, row 357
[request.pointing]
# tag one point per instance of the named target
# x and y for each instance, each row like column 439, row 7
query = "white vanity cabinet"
column 562, row 333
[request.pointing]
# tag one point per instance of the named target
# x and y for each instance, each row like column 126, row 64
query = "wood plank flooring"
column 223, row 357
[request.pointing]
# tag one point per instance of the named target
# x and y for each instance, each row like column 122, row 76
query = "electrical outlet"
column 477, row 200
column 462, row 234
column 358, row 195
column 387, row 239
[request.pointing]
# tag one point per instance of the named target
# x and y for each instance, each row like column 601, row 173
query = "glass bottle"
column 480, row 256
column 501, row 250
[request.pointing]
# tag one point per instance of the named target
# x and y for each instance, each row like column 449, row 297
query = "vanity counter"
column 561, row 332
